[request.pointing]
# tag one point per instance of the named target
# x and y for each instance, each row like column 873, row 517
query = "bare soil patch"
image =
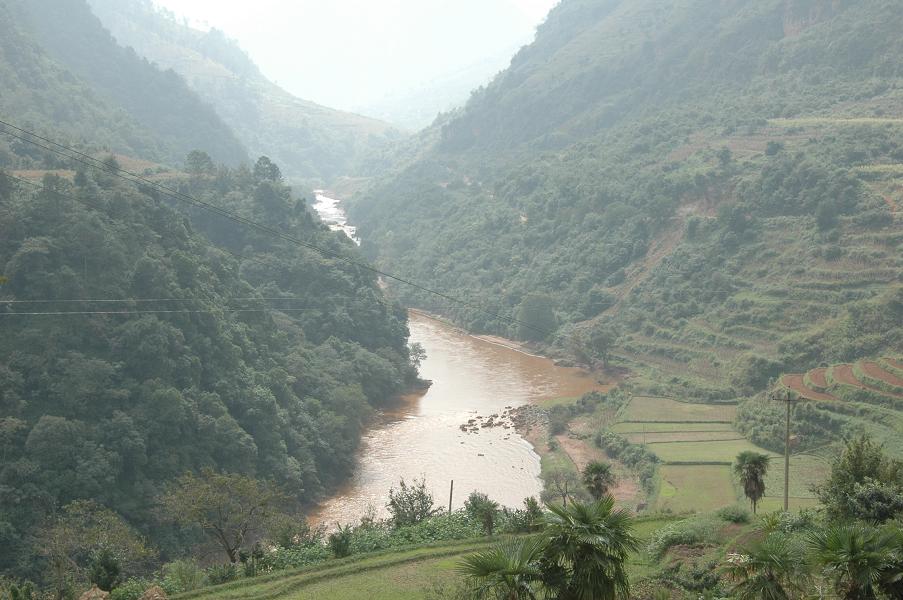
column 795, row 383
column 874, row 370
column 817, row 377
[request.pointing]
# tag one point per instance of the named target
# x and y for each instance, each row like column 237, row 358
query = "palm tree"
column 508, row 570
column 769, row 570
column 858, row 558
column 598, row 478
column 587, row 549
column 751, row 468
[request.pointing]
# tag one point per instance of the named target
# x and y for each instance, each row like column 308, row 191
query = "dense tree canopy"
column 205, row 344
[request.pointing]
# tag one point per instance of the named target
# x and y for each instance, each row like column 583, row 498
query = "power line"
column 152, row 312
column 382, row 301
column 93, row 163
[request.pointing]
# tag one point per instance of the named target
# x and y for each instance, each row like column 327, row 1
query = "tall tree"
column 598, row 478
column 229, row 508
column 587, row 550
column 751, row 467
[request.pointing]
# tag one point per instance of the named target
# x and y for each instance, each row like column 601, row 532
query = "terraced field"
column 400, row 575
column 666, row 410
column 697, row 445
column 829, row 384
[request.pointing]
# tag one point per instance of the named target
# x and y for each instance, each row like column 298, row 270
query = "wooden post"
column 451, row 490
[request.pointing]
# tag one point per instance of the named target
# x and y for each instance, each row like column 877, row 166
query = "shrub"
column 132, row 589
column 734, row 514
column 410, row 504
column 339, row 541
column 182, row 576
column 689, row 532
column 484, row 510
column 221, row 573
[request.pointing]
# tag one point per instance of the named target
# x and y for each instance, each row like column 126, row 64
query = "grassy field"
column 701, row 451
column 642, row 408
column 628, row 427
column 699, row 488
column 404, row 575
column 681, row 436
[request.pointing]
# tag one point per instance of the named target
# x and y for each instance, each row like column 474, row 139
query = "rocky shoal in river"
column 518, row 418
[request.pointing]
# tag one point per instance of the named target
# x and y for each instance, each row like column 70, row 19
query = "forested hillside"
column 312, row 143
column 69, row 34
column 203, row 344
column 710, row 189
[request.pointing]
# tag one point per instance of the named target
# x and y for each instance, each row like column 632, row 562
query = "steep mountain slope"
column 309, row 141
column 213, row 345
column 708, row 188
column 160, row 101
column 44, row 95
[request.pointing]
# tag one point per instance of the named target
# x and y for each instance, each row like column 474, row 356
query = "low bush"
column 734, row 514
column 689, row 532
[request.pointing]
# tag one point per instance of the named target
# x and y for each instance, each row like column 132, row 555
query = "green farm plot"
column 775, row 503
column 650, row 437
column 703, row 452
column 628, row 427
column 806, row 471
column 643, row 408
column 699, row 488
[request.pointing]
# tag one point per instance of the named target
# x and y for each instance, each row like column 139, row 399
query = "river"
column 422, row 436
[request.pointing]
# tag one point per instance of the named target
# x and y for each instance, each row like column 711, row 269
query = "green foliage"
column 536, row 320
column 689, row 532
column 637, row 457
column 858, row 559
column 339, row 541
column 230, row 509
column 410, row 504
column 598, row 478
column 112, row 407
column 217, row 574
column 664, row 194
column 509, row 569
column 482, row 509
column 104, row 570
column 770, row 568
column 586, row 550
column 864, row 483
column 750, row 468
column 182, row 576
column 66, row 75
column 734, row 514
column 132, row 589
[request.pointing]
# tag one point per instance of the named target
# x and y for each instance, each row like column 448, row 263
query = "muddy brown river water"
column 422, row 435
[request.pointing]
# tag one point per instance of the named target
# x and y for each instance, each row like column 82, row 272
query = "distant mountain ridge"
column 311, row 143
column 64, row 76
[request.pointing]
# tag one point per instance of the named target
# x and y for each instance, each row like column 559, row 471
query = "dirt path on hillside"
column 661, row 248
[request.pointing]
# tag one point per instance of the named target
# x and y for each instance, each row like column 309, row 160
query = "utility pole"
column 786, row 397
column 451, row 490
column 787, row 459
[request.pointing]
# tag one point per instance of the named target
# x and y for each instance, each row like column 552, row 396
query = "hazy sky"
column 349, row 53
